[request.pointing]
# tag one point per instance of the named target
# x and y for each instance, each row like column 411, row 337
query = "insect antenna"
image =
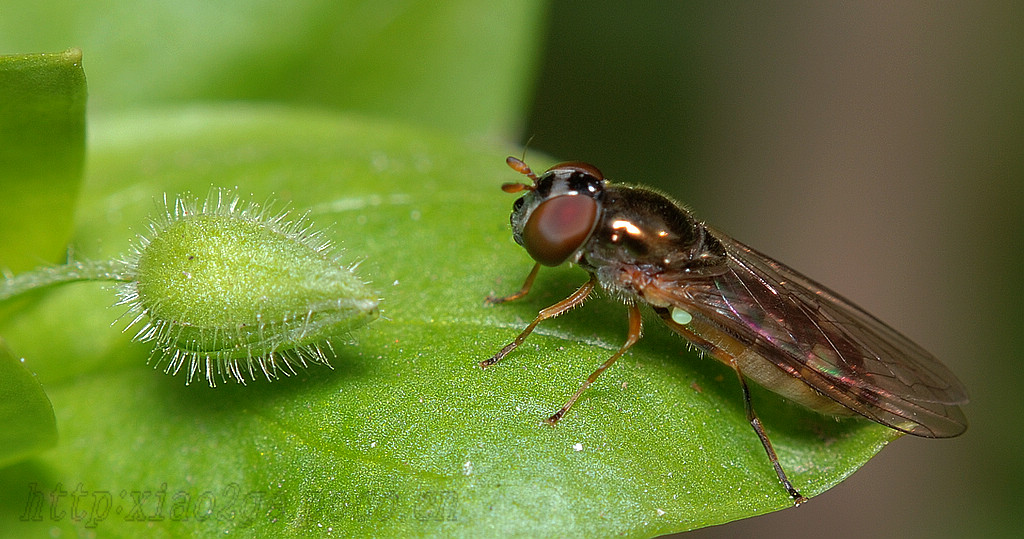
column 519, row 166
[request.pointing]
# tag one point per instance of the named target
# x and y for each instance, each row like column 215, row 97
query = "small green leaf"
column 406, row 435
column 42, row 150
column 25, row 412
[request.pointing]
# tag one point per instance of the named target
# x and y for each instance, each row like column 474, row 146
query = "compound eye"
column 558, row 228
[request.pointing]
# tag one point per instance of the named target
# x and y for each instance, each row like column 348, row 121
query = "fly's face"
column 558, row 213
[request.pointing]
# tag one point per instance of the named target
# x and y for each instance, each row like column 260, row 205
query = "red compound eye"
column 558, row 227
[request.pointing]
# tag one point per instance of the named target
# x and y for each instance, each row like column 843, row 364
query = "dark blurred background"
column 875, row 146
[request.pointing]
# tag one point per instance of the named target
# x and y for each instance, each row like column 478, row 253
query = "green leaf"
column 461, row 65
column 42, row 150
column 406, row 435
column 25, row 412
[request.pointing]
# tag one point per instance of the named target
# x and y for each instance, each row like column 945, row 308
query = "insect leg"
column 635, row 330
column 756, row 423
column 573, row 300
column 494, row 300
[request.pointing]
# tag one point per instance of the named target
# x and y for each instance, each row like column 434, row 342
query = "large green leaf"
column 42, row 148
column 406, row 435
column 461, row 65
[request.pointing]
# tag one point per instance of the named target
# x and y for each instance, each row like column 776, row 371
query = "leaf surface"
column 406, row 435
column 42, row 151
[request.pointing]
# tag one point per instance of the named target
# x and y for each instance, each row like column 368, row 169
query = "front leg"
column 574, row 300
column 494, row 300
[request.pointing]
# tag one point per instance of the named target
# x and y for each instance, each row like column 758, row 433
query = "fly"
column 763, row 319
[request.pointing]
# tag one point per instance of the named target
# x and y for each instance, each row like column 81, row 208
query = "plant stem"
column 109, row 270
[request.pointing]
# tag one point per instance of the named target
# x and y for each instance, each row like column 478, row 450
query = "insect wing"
column 834, row 346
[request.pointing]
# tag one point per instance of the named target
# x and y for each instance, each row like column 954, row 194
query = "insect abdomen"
column 728, row 350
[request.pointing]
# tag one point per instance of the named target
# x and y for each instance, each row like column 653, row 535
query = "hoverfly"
column 766, row 321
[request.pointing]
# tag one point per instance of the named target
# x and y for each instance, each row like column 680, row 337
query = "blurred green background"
column 876, row 147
